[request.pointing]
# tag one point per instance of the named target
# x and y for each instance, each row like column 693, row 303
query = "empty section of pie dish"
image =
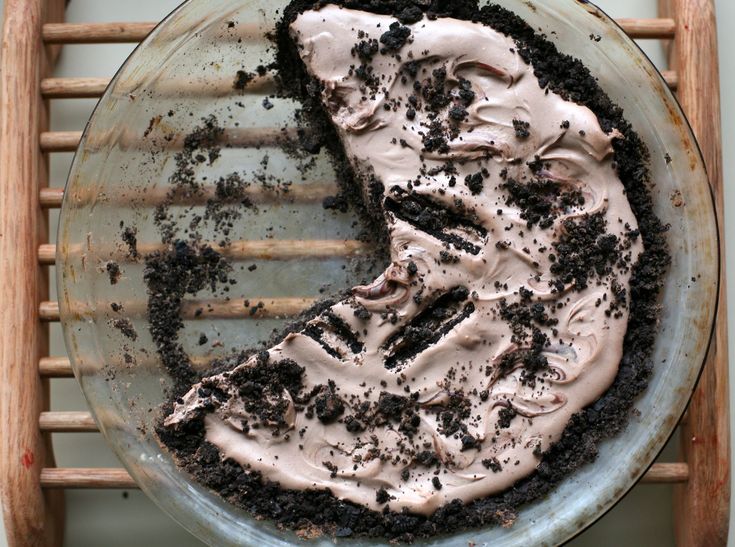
column 182, row 74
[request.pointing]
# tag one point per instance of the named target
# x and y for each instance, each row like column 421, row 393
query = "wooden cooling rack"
column 32, row 486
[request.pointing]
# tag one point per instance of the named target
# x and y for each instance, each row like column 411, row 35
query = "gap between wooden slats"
column 101, row 33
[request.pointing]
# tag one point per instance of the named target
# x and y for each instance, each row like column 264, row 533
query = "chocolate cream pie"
column 511, row 330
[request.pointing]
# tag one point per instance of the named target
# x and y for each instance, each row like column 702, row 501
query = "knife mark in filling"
column 428, row 327
column 334, row 335
column 446, row 225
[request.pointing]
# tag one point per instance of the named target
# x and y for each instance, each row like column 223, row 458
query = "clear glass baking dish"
column 183, row 72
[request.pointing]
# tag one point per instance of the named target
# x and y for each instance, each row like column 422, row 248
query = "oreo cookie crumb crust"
column 185, row 268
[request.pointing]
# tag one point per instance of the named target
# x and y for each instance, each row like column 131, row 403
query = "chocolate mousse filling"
column 511, row 331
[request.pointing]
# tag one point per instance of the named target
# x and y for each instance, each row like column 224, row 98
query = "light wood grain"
column 60, row 367
column 307, row 192
column 96, row 33
column 47, row 254
column 51, row 198
column 666, row 473
column 73, row 88
column 30, row 517
column 48, row 311
column 55, row 367
column 67, row 422
column 84, row 88
column 703, row 505
column 86, row 478
column 127, row 32
column 60, row 141
column 67, row 141
column 235, row 308
column 648, row 28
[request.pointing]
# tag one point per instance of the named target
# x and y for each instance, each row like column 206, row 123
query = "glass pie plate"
column 184, row 72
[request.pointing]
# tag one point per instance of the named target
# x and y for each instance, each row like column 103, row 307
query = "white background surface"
column 114, row 518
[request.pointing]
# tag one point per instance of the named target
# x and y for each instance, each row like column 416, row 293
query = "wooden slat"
column 76, row 88
column 55, row 367
column 47, row 254
column 51, row 198
column 306, row 192
column 67, row 422
column 60, row 141
column 119, row 478
column 84, row 88
column 236, row 308
column 126, row 32
column 67, row 141
column 702, row 507
column 96, row 33
column 266, row 249
column 60, row 367
column 86, row 478
column 102, row 33
column 661, row 473
column 49, row 311
column 648, row 28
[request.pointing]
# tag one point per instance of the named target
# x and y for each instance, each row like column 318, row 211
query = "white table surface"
column 113, row 518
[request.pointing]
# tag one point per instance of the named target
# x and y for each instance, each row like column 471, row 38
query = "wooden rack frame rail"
column 31, row 486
